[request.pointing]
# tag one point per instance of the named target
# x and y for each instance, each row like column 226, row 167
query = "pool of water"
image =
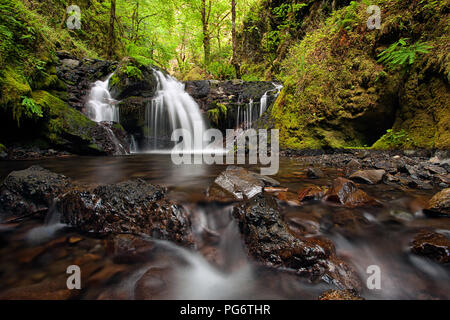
column 35, row 254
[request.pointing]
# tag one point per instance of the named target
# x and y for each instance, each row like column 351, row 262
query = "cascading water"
column 101, row 106
column 265, row 97
column 172, row 108
column 249, row 114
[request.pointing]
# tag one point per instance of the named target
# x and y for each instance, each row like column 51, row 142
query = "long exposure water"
column 36, row 253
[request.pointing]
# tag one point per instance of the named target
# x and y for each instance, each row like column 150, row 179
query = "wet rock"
column 340, row 295
column 314, row 173
column 439, row 205
column 346, row 192
column 289, row 197
column 134, row 206
column 353, row 163
column 368, row 176
column 78, row 75
column 269, row 241
column 432, row 245
column 311, row 193
column 349, row 222
column 236, row 183
column 30, row 191
column 128, row 249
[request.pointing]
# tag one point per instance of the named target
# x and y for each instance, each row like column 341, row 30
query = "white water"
column 101, row 106
column 46, row 231
column 247, row 115
column 172, row 108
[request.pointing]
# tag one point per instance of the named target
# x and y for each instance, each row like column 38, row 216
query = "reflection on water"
column 34, row 256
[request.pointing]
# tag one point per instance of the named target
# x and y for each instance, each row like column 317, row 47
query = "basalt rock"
column 346, row 192
column 368, row 176
column 236, row 183
column 269, row 241
column 135, row 207
column 79, row 74
column 224, row 101
column 439, row 205
column 432, row 245
column 30, row 191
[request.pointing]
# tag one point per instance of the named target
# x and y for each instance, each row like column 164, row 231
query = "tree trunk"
column 112, row 18
column 206, row 36
column 234, row 60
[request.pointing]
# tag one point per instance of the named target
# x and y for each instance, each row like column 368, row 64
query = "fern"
column 400, row 54
column 31, row 108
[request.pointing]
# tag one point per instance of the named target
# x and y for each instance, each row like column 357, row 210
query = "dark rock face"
column 31, row 191
column 269, row 241
column 439, row 205
column 129, row 207
column 236, row 183
column 346, row 192
column 211, row 94
column 432, row 245
column 78, row 75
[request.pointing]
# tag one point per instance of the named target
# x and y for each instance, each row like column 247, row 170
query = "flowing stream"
column 35, row 254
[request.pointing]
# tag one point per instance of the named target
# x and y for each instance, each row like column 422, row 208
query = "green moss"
column 63, row 126
column 134, row 72
column 2, row 148
column 218, row 113
column 338, row 95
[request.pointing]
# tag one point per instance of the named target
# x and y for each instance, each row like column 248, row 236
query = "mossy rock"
column 337, row 95
column 132, row 79
column 66, row 128
column 2, row 148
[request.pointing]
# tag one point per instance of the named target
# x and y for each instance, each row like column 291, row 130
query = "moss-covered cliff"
column 338, row 94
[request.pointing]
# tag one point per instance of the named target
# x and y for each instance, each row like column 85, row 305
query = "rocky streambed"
column 140, row 227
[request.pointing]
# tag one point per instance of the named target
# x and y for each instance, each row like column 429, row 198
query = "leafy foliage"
column 400, row 54
column 31, row 108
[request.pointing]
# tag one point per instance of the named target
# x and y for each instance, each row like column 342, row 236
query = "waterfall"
column 172, row 108
column 133, row 145
column 249, row 114
column 101, row 106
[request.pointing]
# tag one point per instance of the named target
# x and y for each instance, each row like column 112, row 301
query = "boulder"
column 30, row 191
column 135, row 207
column 270, row 242
column 432, row 245
column 368, row 176
column 236, row 183
column 132, row 79
column 439, row 205
column 346, row 192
